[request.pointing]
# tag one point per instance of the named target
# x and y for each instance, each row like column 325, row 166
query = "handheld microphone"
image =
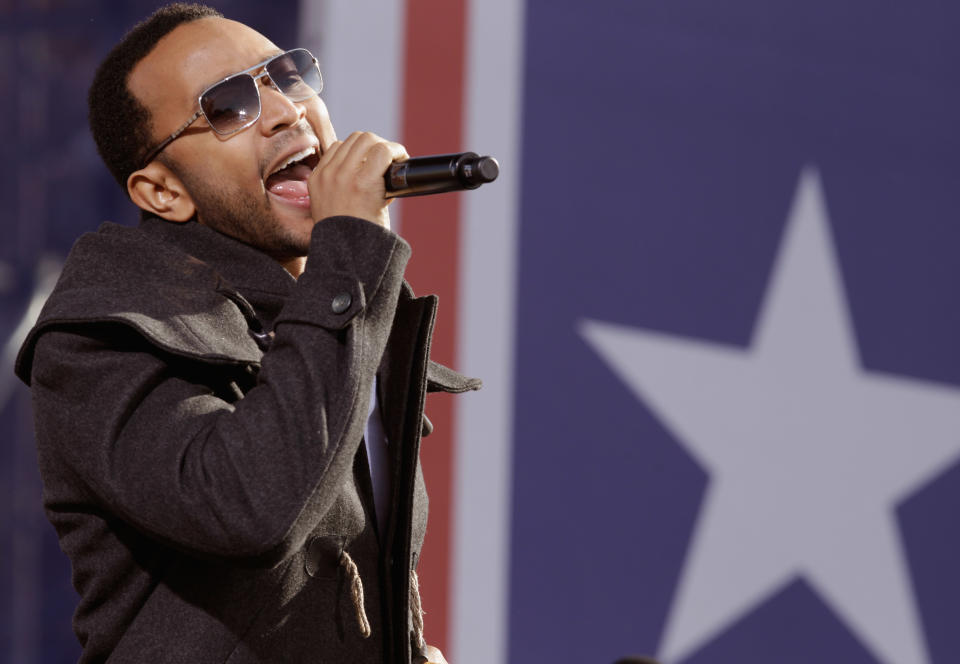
column 439, row 173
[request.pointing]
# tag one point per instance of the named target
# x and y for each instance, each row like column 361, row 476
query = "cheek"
column 232, row 163
column 235, row 151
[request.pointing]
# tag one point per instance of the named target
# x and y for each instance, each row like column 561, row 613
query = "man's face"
column 228, row 177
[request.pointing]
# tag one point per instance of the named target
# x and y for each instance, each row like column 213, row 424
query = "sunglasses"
column 234, row 103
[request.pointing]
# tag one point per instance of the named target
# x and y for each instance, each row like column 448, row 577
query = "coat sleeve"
column 147, row 438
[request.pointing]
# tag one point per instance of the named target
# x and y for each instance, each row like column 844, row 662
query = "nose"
column 277, row 112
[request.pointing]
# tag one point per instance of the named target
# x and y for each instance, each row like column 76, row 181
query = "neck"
column 295, row 266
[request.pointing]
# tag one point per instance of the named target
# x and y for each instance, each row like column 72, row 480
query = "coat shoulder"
column 122, row 275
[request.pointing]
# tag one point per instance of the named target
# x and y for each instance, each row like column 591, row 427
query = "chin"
column 294, row 235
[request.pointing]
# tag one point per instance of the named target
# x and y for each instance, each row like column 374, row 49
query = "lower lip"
column 301, row 202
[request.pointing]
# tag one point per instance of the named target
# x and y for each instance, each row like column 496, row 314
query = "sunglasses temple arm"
column 169, row 139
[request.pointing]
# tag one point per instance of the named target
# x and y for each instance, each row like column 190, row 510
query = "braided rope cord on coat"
column 416, row 608
column 356, row 594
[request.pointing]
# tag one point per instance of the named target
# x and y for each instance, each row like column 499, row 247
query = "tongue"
column 290, row 183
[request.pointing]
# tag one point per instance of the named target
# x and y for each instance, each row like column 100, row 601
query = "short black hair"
column 120, row 124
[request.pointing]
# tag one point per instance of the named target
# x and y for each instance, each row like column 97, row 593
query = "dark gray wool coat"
column 199, row 418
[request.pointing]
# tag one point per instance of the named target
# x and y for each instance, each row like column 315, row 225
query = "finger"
column 329, row 153
column 385, row 153
column 340, row 154
column 318, row 117
column 377, row 159
column 359, row 152
column 327, row 139
column 346, row 154
column 331, row 156
column 434, row 656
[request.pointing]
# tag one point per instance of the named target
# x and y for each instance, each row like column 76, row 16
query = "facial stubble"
column 242, row 214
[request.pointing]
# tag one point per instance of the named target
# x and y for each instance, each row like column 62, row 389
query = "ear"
column 156, row 189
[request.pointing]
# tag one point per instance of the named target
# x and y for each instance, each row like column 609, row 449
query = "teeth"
column 303, row 154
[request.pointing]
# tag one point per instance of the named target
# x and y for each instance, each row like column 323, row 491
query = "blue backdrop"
column 716, row 151
column 686, row 129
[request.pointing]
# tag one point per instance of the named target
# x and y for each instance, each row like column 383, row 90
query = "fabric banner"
column 709, row 296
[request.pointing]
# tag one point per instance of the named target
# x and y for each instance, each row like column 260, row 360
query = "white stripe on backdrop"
column 361, row 44
column 360, row 47
column 482, row 487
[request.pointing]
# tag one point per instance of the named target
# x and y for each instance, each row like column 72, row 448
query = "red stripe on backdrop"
column 432, row 112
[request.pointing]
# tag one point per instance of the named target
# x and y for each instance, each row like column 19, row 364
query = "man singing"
column 229, row 397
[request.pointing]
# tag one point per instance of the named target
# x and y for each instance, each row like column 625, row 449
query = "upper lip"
column 296, row 147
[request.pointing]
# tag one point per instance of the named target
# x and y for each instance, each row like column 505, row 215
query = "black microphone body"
column 439, row 173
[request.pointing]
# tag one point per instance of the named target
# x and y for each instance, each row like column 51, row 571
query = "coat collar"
column 136, row 277
column 172, row 291
column 256, row 276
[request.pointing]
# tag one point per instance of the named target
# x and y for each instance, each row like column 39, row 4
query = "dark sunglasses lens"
column 232, row 104
column 296, row 74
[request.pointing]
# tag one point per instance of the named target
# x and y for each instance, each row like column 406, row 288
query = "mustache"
column 283, row 141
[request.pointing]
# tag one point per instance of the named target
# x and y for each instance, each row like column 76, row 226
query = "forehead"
column 191, row 57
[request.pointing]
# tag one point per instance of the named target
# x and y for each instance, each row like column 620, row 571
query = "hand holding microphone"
column 359, row 176
column 348, row 180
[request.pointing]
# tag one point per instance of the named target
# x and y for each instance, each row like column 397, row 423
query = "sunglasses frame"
column 255, row 78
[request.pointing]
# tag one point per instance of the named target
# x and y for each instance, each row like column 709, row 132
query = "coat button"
column 322, row 557
column 341, row 302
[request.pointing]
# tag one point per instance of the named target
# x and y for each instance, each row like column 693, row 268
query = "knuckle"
column 369, row 140
column 382, row 150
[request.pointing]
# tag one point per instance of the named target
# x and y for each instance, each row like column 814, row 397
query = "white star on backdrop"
column 808, row 454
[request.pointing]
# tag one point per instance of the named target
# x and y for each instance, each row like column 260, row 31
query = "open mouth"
column 289, row 180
